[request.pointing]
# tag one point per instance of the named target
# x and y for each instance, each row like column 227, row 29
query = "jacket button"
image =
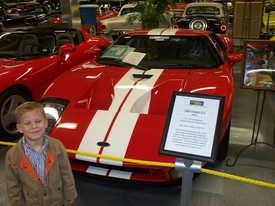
column 45, row 194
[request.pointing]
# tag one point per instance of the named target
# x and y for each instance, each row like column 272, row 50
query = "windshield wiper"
column 118, row 62
column 186, row 66
column 136, row 66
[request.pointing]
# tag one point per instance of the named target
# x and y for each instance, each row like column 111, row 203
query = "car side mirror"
column 66, row 48
column 234, row 58
column 96, row 52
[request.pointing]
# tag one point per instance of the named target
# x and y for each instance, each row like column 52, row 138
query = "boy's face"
column 33, row 125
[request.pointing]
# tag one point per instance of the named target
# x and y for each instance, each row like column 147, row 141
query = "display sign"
column 192, row 126
column 258, row 66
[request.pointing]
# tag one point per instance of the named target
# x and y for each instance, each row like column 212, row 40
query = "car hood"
column 7, row 64
column 117, row 20
column 123, row 109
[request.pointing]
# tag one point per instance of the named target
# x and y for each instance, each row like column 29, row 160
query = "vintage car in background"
column 119, row 102
column 204, row 16
column 31, row 59
column 117, row 25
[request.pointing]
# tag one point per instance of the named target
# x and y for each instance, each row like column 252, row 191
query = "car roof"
column 129, row 5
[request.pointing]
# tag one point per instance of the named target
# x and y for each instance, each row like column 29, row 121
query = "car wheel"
column 8, row 102
column 92, row 30
column 198, row 23
column 223, row 147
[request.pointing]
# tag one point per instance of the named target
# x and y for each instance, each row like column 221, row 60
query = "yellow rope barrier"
column 235, row 177
column 7, row 143
column 143, row 162
column 164, row 164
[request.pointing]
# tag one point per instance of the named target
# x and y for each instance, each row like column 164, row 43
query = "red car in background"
column 101, row 13
column 30, row 60
column 119, row 102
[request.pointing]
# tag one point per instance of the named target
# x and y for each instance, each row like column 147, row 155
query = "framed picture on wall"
column 258, row 65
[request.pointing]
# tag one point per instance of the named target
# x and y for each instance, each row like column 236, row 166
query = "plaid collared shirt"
column 38, row 160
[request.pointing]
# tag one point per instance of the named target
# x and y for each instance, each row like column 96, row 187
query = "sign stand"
column 187, row 167
column 191, row 132
column 257, row 125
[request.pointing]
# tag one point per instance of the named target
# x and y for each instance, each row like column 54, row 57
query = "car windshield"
column 27, row 44
column 26, row 9
column 127, row 11
column 197, row 10
column 145, row 51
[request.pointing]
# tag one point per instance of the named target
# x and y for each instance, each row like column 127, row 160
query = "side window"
column 219, row 45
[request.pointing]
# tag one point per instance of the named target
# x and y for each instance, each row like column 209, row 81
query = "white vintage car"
column 120, row 24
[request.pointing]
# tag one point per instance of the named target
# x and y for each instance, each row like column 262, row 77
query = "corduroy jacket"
column 23, row 185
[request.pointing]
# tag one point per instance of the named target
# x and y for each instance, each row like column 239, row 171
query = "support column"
column 70, row 12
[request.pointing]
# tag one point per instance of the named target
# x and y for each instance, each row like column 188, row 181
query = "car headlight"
column 53, row 109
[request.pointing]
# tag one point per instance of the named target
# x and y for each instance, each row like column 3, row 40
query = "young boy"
column 37, row 168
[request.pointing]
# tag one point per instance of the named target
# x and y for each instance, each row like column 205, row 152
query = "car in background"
column 28, row 15
column 210, row 16
column 119, row 101
column 30, row 60
column 117, row 25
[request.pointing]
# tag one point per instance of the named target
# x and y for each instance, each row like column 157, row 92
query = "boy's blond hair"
column 27, row 107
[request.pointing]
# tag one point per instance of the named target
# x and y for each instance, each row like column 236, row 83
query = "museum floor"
column 255, row 162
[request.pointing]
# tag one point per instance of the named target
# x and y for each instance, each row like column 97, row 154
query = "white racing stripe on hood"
column 112, row 173
column 169, row 32
column 120, row 136
column 125, row 120
column 139, row 99
column 157, row 31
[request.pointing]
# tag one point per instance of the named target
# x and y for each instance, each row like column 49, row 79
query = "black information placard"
column 192, row 126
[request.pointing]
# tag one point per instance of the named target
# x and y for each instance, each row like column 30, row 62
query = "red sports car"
column 31, row 60
column 119, row 102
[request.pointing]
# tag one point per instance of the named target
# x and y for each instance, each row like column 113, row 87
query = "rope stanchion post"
column 187, row 168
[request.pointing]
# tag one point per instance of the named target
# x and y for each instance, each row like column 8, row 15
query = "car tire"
column 223, row 147
column 9, row 100
column 198, row 23
column 92, row 31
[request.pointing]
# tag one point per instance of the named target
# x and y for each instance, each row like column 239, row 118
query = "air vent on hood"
column 143, row 76
column 103, row 144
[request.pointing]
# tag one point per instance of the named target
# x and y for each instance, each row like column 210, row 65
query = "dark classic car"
column 204, row 16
